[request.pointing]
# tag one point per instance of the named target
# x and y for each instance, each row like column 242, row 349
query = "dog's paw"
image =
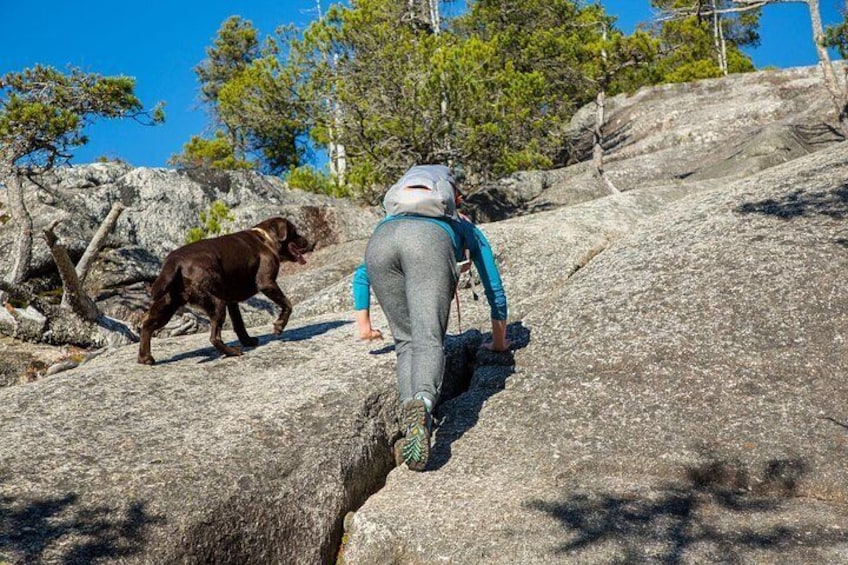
column 278, row 328
column 149, row 360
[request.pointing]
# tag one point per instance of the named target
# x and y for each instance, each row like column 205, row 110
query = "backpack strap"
column 458, row 313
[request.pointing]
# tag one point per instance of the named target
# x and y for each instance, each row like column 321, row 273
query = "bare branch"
column 98, row 241
column 73, row 297
column 745, row 6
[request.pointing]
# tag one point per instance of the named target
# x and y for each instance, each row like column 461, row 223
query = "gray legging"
column 412, row 269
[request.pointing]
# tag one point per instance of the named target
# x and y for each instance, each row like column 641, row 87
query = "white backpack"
column 425, row 190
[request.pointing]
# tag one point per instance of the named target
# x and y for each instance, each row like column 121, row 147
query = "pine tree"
column 704, row 38
column 43, row 116
column 252, row 96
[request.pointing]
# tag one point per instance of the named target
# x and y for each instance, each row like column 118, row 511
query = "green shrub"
column 213, row 221
column 311, row 180
column 217, row 153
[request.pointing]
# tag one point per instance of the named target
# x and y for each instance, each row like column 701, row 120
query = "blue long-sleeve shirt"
column 465, row 236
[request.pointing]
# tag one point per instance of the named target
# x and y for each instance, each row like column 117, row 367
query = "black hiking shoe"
column 414, row 448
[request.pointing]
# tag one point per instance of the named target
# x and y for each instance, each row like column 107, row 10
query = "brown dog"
column 218, row 273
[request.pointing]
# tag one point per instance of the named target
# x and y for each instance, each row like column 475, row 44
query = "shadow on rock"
column 383, row 350
column 832, row 203
column 297, row 334
column 713, row 508
column 31, row 528
column 205, row 355
column 487, row 376
column 306, row 332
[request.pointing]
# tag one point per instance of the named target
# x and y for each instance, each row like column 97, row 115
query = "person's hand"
column 505, row 345
column 363, row 325
column 370, row 334
column 499, row 341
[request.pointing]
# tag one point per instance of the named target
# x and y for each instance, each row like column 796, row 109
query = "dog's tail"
column 169, row 281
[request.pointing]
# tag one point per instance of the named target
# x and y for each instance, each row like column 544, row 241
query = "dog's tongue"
column 297, row 254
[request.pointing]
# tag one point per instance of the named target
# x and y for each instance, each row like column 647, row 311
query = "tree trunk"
column 837, row 93
column 22, row 219
column 338, row 154
column 73, row 297
column 718, row 38
column 78, row 321
column 436, row 26
column 598, row 133
column 435, row 16
column 598, row 148
column 338, row 158
column 98, row 241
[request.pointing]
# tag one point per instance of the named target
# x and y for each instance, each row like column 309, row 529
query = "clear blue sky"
column 160, row 43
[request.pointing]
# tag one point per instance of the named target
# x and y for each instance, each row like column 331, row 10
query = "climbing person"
column 411, row 262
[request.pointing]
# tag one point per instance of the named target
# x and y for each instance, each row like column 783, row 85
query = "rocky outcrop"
column 679, row 126
column 680, row 398
column 675, row 393
column 161, row 206
column 197, row 459
column 711, row 131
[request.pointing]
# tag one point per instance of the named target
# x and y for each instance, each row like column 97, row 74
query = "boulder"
column 679, row 398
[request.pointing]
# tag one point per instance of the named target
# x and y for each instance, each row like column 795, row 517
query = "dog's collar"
column 267, row 236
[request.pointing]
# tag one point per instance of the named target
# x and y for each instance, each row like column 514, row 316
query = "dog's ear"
column 281, row 227
column 292, row 244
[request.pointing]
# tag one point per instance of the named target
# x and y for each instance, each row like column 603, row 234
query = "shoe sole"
column 414, row 449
